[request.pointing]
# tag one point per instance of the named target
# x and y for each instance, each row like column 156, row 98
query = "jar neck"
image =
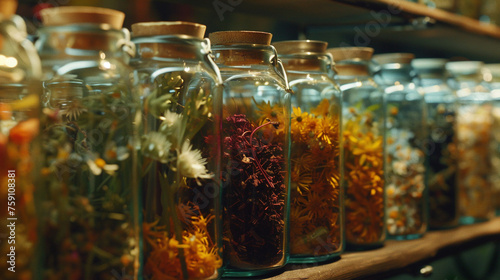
column 458, row 81
column 396, row 73
column 349, row 71
column 82, row 40
column 306, row 63
column 171, row 47
column 431, row 77
column 236, row 56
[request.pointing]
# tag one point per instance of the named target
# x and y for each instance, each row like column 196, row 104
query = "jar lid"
column 348, row 53
column 8, row 7
column 403, row 58
column 169, row 28
column 240, row 38
column 300, row 46
column 82, row 14
column 428, row 63
column 464, row 67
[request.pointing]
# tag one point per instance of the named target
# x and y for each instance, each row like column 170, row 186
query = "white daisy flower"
column 156, row 146
column 170, row 122
column 191, row 164
column 98, row 165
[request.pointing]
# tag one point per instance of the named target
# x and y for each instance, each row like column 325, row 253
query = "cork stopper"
column 464, row 67
column 403, row 58
column 169, row 28
column 428, row 63
column 240, row 38
column 81, row 14
column 8, row 8
column 351, row 53
column 300, row 47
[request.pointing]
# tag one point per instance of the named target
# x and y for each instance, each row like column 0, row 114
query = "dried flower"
column 97, row 165
column 191, row 164
column 364, row 202
column 315, row 180
column 156, row 146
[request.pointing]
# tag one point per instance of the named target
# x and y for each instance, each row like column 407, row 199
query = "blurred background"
column 375, row 24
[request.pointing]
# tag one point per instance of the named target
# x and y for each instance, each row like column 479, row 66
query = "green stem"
column 171, row 192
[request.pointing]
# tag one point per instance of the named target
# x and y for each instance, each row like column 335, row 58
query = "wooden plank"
column 397, row 255
column 415, row 9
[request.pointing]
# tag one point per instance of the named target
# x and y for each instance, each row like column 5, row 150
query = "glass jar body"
column 494, row 87
column 19, row 125
column 363, row 122
column 316, row 198
column 442, row 156
column 406, row 136
column 87, row 197
column 255, row 162
column 474, row 132
column 180, row 159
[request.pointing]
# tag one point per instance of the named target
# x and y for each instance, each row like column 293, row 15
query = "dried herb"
column 85, row 191
column 442, row 159
column 254, row 200
column 364, row 178
column 315, row 202
column 179, row 233
column 405, row 184
column 18, row 129
column 474, row 133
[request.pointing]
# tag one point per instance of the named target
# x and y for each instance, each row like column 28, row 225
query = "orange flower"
column 201, row 256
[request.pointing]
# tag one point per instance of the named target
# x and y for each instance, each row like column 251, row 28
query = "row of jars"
column 163, row 157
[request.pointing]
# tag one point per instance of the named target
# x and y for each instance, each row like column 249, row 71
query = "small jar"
column 180, row 150
column 363, row 140
column 491, row 75
column 20, row 72
column 442, row 156
column 474, row 123
column 316, row 198
column 406, row 137
column 87, row 196
column 256, row 148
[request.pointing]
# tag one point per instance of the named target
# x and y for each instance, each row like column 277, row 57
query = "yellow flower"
column 322, row 109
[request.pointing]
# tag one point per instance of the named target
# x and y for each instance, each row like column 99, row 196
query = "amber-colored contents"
column 364, row 177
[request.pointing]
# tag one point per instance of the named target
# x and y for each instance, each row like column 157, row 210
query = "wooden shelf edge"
column 396, row 255
column 416, row 9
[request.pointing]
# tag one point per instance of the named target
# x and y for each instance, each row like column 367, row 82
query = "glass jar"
column 20, row 72
column 442, row 163
column 315, row 203
column 180, row 150
column 406, row 136
column 87, row 196
column 363, row 141
column 491, row 75
column 256, row 145
column 474, row 123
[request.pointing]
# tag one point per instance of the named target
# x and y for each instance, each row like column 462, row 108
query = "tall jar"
column 491, row 75
column 442, row 160
column 474, row 124
column 180, row 150
column 20, row 72
column 316, row 198
column 87, row 196
column 406, row 137
column 256, row 147
column 363, row 140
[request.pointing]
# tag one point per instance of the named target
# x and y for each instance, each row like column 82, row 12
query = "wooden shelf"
column 397, row 255
column 412, row 27
column 412, row 10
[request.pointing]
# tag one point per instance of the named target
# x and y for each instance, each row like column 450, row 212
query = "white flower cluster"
column 163, row 147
